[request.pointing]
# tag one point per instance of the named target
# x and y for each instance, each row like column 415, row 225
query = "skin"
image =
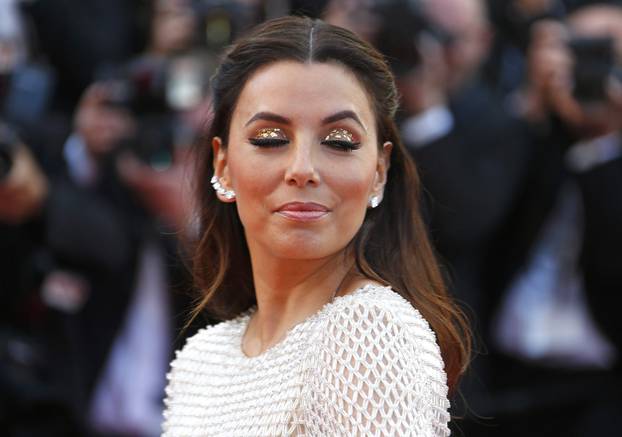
column 24, row 190
column 446, row 69
column 550, row 73
column 466, row 20
column 297, row 265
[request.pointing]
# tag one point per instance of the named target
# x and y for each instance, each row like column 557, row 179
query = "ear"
column 382, row 169
column 221, row 169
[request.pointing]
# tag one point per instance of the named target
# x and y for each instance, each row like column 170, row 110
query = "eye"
column 269, row 137
column 341, row 139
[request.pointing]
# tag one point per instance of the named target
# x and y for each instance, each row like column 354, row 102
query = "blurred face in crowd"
column 466, row 21
column 302, row 158
column 10, row 55
column 599, row 21
column 354, row 15
column 173, row 26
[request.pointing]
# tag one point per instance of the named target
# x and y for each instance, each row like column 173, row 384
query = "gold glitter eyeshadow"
column 339, row 135
column 270, row 133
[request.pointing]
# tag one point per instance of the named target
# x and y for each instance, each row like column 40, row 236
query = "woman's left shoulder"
column 376, row 315
column 380, row 305
column 377, row 355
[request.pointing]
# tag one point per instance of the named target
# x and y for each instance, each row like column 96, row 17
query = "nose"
column 302, row 169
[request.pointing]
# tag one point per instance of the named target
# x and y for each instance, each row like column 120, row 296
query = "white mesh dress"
column 366, row 364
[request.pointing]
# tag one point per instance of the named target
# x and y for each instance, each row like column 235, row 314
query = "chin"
column 301, row 245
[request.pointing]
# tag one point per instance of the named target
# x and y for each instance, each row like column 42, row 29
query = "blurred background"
column 512, row 110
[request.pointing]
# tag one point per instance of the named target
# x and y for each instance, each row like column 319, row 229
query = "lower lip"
column 303, row 216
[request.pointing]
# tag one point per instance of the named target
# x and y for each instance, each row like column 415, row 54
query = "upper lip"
column 302, row 206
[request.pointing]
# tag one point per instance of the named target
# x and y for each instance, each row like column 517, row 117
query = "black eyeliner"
column 343, row 145
column 268, row 142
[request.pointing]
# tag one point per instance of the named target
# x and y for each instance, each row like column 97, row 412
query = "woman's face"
column 302, row 158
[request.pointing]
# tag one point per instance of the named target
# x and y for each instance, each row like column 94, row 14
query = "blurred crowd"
column 512, row 110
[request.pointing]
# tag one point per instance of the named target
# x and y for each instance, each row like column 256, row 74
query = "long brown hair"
column 392, row 245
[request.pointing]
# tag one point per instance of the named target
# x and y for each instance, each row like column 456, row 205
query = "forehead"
column 597, row 21
column 303, row 92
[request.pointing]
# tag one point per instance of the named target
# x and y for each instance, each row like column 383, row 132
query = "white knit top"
column 366, row 364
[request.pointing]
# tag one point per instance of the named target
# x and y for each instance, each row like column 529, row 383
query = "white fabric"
column 586, row 155
column 422, row 129
column 128, row 397
column 12, row 38
column 545, row 315
column 80, row 164
column 367, row 364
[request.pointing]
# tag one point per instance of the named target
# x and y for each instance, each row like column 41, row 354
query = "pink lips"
column 303, row 211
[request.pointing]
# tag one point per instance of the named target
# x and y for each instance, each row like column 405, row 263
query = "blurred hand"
column 100, row 125
column 167, row 194
column 549, row 69
column 24, row 190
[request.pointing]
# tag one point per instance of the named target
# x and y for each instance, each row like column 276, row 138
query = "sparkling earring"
column 374, row 201
column 228, row 194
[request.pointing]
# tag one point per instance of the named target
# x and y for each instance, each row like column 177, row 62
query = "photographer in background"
column 35, row 397
column 513, row 20
column 557, row 331
column 128, row 154
column 95, row 278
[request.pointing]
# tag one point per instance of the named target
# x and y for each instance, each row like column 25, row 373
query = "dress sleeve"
column 373, row 373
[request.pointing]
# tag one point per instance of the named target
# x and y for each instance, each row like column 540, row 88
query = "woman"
column 313, row 250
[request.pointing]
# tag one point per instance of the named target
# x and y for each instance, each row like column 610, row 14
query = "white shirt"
column 365, row 364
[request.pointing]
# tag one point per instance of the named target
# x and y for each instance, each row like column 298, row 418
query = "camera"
column 8, row 144
column 156, row 93
column 595, row 65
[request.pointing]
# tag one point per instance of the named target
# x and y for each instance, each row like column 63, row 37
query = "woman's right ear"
column 217, row 152
column 220, row 181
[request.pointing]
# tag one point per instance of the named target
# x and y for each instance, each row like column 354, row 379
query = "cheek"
column 352, row 186
column 253, row 179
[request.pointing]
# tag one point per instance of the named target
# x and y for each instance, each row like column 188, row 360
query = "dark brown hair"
column 391, row 247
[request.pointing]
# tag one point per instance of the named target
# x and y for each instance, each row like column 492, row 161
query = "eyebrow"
column 342, row 115
column 270, row 116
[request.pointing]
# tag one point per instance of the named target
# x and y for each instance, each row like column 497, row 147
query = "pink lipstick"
column 302, row 211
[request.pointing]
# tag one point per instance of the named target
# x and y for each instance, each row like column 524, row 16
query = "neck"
column 289, row 291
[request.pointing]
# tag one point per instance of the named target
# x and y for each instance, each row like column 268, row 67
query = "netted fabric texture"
column 366, row 364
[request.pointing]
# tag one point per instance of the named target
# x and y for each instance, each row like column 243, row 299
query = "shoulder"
column 198, row 360
column 376, row 355
column 383, row 309
column 378, row 322
column 212, row 342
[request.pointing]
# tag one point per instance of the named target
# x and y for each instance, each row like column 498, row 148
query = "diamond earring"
column 374, row 201
column 228, row 194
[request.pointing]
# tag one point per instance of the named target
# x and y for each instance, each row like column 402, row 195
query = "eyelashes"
column 340, row 139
